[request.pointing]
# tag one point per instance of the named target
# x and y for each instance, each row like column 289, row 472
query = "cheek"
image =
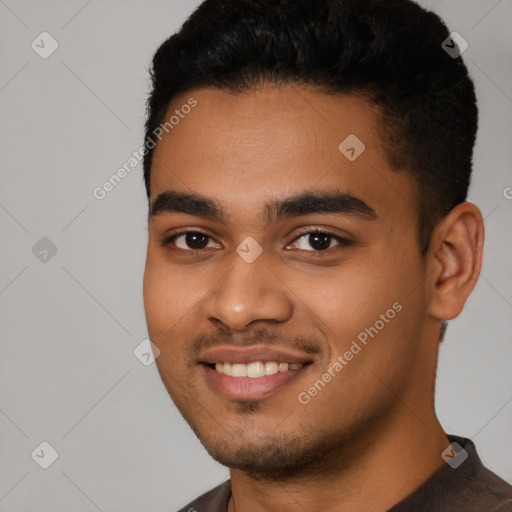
column 347, row 298
column 154, row 293
column 369, row 299
column 164, row 308
column 172, row 302
column 162, row 296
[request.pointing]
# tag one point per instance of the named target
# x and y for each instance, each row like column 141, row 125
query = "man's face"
column 256, row 284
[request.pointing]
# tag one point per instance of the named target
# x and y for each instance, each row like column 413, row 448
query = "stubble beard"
column 277, row 456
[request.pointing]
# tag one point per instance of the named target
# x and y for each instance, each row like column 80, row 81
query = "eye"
column 197, row 241
column 190, row 241
column 319, row 240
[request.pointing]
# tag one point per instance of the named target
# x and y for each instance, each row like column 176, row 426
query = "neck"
column 379, row 469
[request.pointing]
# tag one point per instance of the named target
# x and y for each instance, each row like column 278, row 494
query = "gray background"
column 69, row 325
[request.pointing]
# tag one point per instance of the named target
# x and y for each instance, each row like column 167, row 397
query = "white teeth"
column 271, row 368
column 255, row 369
column 239, row 370
column 283, row 367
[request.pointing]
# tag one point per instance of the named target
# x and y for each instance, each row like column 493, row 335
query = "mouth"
column 251, row 373
column 255, row 369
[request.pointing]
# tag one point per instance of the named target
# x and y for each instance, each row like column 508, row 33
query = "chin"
column 278, row 457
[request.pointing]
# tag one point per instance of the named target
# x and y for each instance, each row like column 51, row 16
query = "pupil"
column 320, row 241
column 196, row 240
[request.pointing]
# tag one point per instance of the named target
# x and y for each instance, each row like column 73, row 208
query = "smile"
column 251, row 373
column 255, row 369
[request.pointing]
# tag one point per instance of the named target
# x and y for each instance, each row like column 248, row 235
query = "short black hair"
column 387, row 51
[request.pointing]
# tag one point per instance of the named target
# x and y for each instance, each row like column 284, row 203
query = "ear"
column 455, row 260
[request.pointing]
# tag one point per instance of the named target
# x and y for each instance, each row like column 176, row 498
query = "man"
column 307, row 169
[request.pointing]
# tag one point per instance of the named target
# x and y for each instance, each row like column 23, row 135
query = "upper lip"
column 251, row 354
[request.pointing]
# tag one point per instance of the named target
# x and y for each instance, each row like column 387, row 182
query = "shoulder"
column 215, row 500
column 489, row 488
column 483, row 489
column 465, row 485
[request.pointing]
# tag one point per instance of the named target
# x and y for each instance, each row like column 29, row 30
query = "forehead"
column 246, row 148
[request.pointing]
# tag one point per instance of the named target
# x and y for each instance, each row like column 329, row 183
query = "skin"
column 370, row 437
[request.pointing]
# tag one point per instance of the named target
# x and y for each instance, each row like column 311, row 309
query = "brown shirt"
column 470, row 487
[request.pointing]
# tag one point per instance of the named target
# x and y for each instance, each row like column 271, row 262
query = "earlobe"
column 456, row 260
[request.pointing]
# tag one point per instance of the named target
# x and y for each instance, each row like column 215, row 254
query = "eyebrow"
column 335, row 202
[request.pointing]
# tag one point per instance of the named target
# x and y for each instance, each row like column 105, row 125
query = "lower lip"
column 248, row 388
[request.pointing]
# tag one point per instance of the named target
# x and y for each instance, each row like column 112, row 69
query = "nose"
column 249, row 293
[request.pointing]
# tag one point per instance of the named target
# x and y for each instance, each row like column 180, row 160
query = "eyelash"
column 343, row 242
